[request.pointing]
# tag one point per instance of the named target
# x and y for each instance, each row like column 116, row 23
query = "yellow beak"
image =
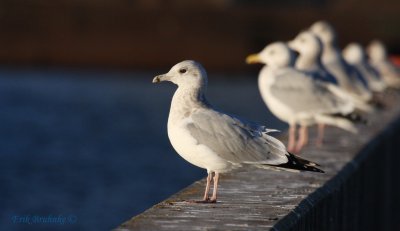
column 253, row 58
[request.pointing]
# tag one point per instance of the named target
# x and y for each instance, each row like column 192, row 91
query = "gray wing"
column 356, row 78
column 340, row 72
column 236, row 140
column 303, row 93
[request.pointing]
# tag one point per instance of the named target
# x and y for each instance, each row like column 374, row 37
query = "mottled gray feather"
column 302, row 93
column 235, row 140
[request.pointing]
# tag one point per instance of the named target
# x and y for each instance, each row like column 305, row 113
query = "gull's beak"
column 253, row 58
column 160, row 78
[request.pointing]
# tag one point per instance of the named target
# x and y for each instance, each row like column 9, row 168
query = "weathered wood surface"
column 261, row 199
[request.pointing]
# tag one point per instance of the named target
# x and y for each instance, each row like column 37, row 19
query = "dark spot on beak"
column 156, row 79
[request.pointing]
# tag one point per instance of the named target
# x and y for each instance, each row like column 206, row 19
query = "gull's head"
column 186, row 73
column 354, row 53
column 324, row 31
column 376, row 51
column 275, row 55
column 306, row 43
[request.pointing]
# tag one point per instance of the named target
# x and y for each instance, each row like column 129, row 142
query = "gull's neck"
column 330, row 53
column 309, row 62
column 185, row 100
column 267, row 75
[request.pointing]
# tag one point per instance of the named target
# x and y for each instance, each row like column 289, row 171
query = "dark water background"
column 92, row 146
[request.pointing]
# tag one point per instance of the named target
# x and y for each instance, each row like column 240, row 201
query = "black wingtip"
column 379, row 105
column 353, row 117
column 295, row 162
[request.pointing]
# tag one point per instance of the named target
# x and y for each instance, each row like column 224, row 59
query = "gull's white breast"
column 280, row 110
column 183, row 141
column 192, row 151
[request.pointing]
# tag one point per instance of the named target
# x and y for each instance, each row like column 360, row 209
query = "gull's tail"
column 378, row 103
column 353, row 117
column 342, row 121
column 357, row 102
column 294, row 163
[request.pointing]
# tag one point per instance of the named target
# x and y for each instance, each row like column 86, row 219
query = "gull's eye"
column 271, row 52
column 302, row 40
column 182, row 71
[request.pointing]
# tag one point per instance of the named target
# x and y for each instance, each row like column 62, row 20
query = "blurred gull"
column 349, row 79
column 378, row 58
column 296, row 98
column 216, row 141
column 355, row 55
column 308, row 61
column 309, row 48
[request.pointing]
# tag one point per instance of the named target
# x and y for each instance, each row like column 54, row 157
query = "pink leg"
column 320, row 137
column 292, row 138
column 214, row 196
column 303, row 138
column 209, row 176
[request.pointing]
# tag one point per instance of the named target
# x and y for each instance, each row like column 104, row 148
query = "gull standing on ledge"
column 355, row 55
column 378, row 58
column 308, row 61
column 216, row 141
column 349, row 79
column 309, row 47
column 298, row 99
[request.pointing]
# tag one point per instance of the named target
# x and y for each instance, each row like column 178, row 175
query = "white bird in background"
column 309, row 48
column 355, row 55
column 216, row 141
column 348, row 78
column 296, row 98
column 378, row 58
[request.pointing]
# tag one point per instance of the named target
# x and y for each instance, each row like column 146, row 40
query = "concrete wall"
column 365, row 195
column 359, row 191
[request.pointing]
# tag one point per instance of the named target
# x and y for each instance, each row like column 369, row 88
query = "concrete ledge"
column 359, row 191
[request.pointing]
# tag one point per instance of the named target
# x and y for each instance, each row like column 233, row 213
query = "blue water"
column 92, row 147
